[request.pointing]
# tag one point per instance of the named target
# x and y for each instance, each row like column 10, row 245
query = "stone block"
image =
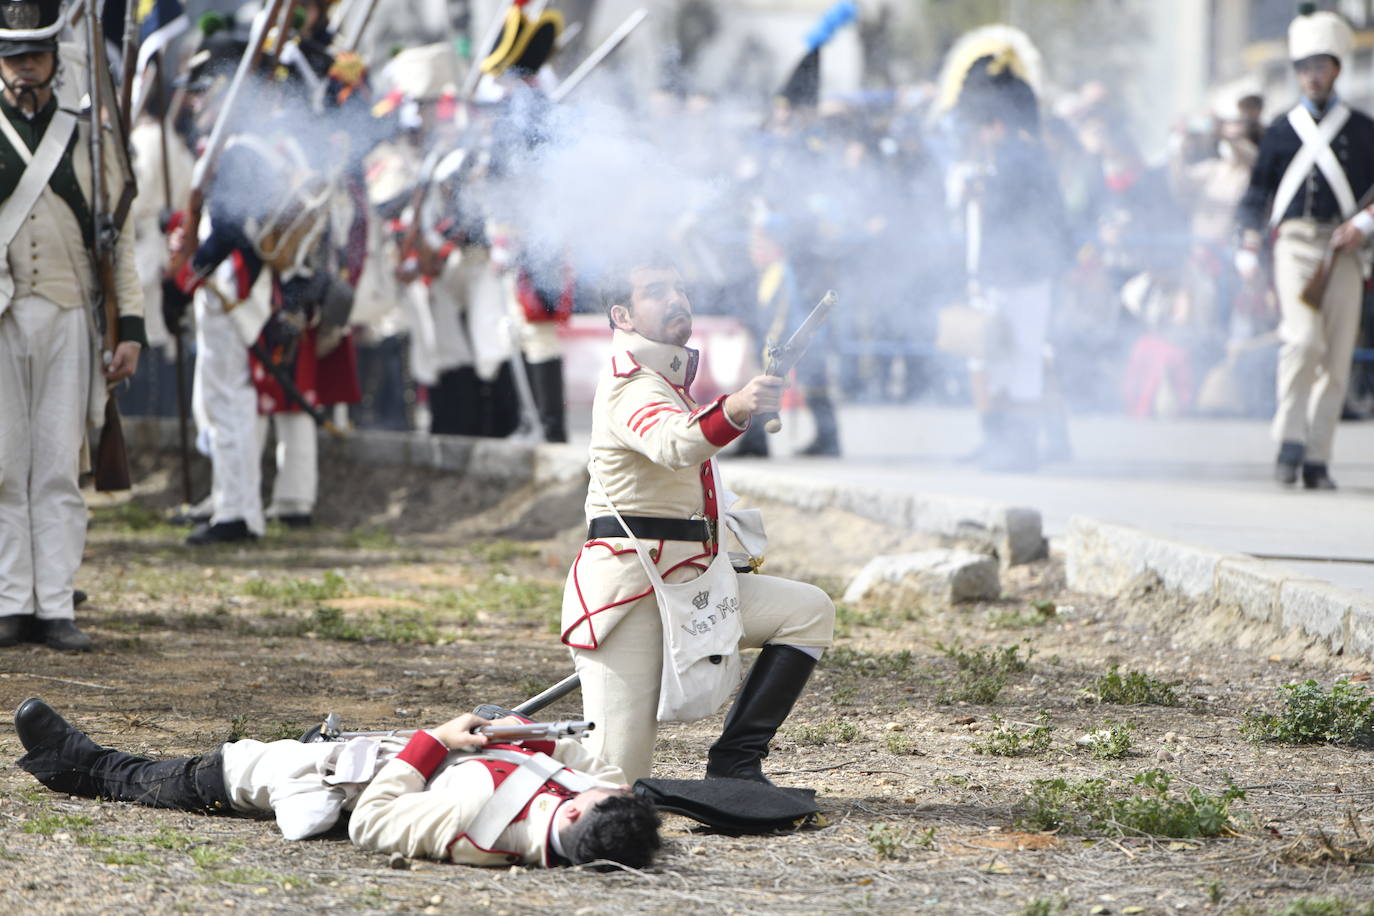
column 1318, row 609
column 948, row 575
column 1361, row 626
column 1252, row 587
column 1103, row 558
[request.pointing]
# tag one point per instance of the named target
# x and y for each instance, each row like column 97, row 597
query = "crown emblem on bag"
column 701, row 600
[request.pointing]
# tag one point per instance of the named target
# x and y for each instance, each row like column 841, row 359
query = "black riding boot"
column 546, row 384
column 827, row 441
column 778, row 677
column 65, row 759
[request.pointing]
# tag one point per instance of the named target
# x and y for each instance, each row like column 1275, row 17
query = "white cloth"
column 1017, row 372
column 225, row 406
column 297, row 483
column 45, row 378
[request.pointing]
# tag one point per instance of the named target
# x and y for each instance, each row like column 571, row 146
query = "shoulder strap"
column 40, row 166
column 1315, row 151
column 510, row 798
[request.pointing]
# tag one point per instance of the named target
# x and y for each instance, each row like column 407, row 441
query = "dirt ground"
column 420, row 596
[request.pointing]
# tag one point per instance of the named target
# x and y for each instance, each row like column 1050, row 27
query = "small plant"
column 889, row 840
column 370, row 539
column 874, row 664
column 1006, row 740
column 977, row 690
column 127, row 858
column 497, row 551
column 1313, row 715
column 1041, row 906
column 1112, row 741
column 297, row 591
column 836, row 731
column 900, row 744
column 1038, row 614
column 983, row 661
column 1134, row 688
column 1091, row 807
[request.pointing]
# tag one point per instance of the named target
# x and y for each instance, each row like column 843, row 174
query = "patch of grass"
column 1093, row 807
column 498, row 551
column 130, row 516
column 207, row 857
column 295, row 592
column 395, row 627
column 48, row 824
column 1112, row 740
column 870, row 664
column 1311, row 714
column 127, row 858
column 900, row 744
column 1325, row 906
column 988, row 661
column 167, row 838
column 255, row 875
column 1044, row 906
column 1134, row 688
column 1038, row 614
column 977, row 689
column 370, row 538
column 836, row 731
column 1006, row 740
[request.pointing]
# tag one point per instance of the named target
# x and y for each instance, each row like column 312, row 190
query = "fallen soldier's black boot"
column 778, row 677
column 65, row 759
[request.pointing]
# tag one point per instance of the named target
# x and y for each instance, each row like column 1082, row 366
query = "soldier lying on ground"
column 446, row 793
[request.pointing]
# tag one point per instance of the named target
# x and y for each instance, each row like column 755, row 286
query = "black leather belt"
column 650, row 528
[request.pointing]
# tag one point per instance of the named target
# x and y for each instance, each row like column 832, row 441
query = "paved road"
column 1206, row 482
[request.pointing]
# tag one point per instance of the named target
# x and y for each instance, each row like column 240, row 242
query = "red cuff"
column 424, row 752
column 716, row 426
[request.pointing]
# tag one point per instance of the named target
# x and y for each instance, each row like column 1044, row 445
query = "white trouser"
column 298, row 477
column 45, row 380
column 226, row 410
column 298, row 782
column 1016, row 373
column 620, row 679
column 1315, row 346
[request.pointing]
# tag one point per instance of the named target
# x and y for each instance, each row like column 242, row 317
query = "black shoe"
column 13, row 628
column 1289, row 461
column 78, row 597
column 65, row 759
column 297, row 520
column 1315, row 477
column 221, row 533
column 62, row 635
column 778, row 677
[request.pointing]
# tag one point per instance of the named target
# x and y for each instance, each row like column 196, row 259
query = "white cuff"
column 1363, row 221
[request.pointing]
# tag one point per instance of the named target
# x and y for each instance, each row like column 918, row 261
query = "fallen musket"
column 506, row 732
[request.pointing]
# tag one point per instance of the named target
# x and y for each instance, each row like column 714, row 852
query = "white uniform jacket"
column 422, row 803
column 652, row 447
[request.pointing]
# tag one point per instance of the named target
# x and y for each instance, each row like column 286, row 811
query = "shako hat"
column 803, row 86
column 27, row 26
column 1312, row 33
column 524, row 45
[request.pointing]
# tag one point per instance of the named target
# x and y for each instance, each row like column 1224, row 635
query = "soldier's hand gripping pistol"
column 783, row 358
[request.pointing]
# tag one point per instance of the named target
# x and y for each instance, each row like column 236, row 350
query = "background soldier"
column 50, row 377
column 1314, row 164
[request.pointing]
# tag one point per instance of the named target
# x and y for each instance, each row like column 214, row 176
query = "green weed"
column 1043, row 906
column 987, row 661
column 371, row 538
column 900, row 744
column 1312, row 714
column 1325, row 906
column 1112, row 740
column 48, row 824
column 1038, row 614
column 1005, row 740
column 295, row 592
column 1093, row 807
column 498, row 551
column 870, row 664
column 1135, row 688
column 127, row 858
column 395, row 627
column 836, row 731
column 979, row 690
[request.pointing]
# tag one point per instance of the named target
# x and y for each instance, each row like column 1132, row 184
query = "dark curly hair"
column 620, row 828
column 616, row 286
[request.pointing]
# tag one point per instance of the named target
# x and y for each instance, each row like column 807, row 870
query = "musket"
column 574, row 79
column 111, row 459
column 329, row 730
column 474, row 74
column 126, row 91
column 292, row 391
column 783, row 359
column 283, row 29
column 205, row 166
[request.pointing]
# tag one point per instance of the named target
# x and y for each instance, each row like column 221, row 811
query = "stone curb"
column 1103, row 558
column 1014, row 533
